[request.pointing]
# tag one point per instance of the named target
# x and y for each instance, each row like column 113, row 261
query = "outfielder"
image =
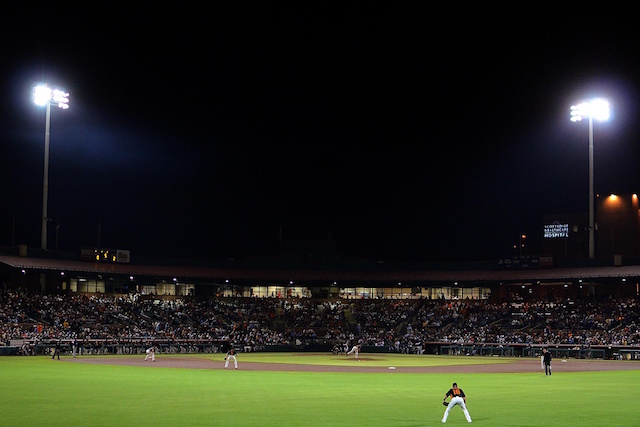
column 457, row 398
column 231, row 355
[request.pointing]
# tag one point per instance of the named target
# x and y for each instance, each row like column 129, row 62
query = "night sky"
column 404, row 133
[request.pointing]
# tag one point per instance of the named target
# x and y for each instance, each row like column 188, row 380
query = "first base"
column 392, row 367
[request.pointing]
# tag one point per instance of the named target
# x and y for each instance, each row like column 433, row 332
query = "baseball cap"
column 455, row 384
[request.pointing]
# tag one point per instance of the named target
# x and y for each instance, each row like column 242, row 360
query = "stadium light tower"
column 592, row 109
column 44, row 96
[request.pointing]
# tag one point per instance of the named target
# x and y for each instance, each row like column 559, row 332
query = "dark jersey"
column 546, row 357
column 231, row 353
column 455, row 392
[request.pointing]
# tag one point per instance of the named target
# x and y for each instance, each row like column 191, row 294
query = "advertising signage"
column 556, row 231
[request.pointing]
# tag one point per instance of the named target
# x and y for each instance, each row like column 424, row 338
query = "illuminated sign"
column 105, row 255
column 556, row 231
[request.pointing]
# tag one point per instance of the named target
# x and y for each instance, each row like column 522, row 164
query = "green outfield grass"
column 40, row 391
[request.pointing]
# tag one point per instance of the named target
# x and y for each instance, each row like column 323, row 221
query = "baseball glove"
column 445, row 403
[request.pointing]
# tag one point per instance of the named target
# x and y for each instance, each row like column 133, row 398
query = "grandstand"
column 186, row 307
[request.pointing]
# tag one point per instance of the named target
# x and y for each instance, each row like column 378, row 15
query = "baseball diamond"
column 511, row 365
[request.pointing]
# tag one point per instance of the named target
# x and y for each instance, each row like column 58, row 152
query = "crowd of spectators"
column 254, row 324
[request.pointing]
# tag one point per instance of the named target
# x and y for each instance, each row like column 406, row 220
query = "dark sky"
column 405, row 133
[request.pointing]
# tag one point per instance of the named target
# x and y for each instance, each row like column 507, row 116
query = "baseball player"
column 151, row 354
column 56, row 351
column 354, row 350
column 546, row 360
column 457, row 398
column 231, row 355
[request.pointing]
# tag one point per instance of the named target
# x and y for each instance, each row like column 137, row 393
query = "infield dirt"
column 515, row 365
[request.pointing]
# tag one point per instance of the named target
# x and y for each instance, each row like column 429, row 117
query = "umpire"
column 56, row 350
column 546, row 360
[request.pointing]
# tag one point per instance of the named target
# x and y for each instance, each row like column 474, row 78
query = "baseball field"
column 314, row 389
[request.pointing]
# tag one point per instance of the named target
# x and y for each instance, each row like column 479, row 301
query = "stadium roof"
column 384, row 274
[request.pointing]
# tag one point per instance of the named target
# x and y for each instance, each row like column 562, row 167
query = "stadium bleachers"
column 124, row 324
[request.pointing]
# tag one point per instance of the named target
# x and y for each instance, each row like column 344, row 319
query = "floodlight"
column 44, row 96
column 597, row 109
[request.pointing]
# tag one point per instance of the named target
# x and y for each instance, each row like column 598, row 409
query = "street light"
column 45, row 96
column 594, row 109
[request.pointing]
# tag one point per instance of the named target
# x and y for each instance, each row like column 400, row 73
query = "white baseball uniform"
column 231, row 355
column 151, row 354
column 354, row 350
column 456, row 401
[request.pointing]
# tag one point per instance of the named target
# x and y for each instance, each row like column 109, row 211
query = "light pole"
column 593, row 109
column 45, row 96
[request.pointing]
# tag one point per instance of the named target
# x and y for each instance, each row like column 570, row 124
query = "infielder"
column 457, row 398
column 151, row 354
column 231, row 355
column 354, row 350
